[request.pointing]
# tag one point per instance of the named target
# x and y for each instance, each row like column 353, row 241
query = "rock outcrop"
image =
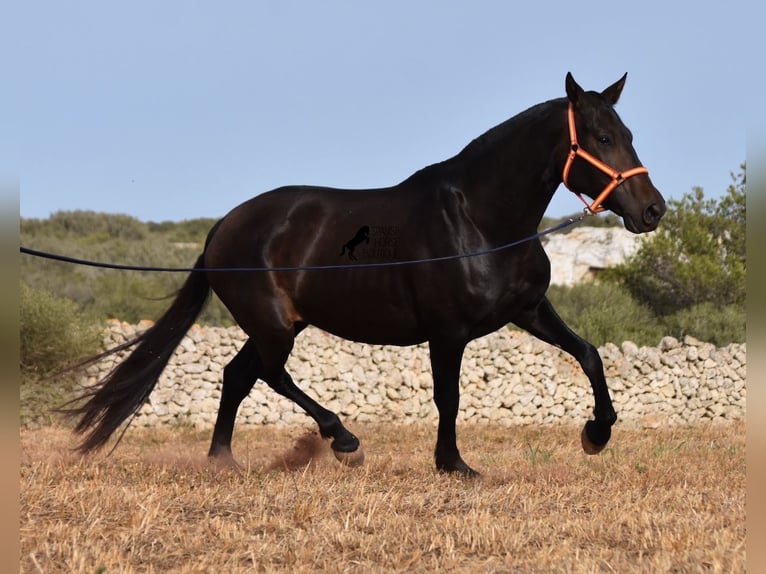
column 583, row 252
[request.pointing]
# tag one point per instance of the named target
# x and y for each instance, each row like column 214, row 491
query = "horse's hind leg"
column 239, row 376
column 345, row 445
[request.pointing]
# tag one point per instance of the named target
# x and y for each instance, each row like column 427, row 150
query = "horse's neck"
column 512, row 171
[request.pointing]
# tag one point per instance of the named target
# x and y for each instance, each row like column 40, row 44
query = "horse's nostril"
column 652, row 214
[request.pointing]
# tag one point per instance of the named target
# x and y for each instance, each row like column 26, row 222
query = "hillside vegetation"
column 103, row 293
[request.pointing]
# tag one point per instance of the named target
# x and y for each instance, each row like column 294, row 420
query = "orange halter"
column 576, row 150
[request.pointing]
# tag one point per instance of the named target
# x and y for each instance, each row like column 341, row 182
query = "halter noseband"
column 576, row 150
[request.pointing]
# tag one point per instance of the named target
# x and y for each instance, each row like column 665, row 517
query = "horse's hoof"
column 589, row 446
column 464, row 471
column 223, row 462
column 352, row 459
column 458, row 468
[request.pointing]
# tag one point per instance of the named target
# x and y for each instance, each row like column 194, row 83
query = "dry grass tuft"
column 654, row 501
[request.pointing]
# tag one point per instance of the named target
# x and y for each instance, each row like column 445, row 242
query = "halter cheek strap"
column 576, row 151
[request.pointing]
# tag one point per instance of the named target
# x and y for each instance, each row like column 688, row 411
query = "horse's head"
column 602, row 163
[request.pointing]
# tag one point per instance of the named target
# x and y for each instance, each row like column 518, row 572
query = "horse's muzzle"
column 646, row 220
column 652, row 215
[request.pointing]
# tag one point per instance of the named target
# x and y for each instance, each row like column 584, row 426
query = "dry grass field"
column 655, row 501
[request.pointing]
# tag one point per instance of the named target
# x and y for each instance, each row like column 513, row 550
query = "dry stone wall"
column 508, row 377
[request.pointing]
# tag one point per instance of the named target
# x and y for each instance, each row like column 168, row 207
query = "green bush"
column 187, row 231
column 696, row 256
column 52, row 333
column 605, row 312
column 710, row 323
column 85, row 224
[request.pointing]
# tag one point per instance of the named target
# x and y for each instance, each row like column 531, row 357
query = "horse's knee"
column 591, row 360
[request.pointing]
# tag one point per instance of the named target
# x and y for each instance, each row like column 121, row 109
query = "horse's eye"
column 604, row 140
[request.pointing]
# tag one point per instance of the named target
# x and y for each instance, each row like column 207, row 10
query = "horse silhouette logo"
column 363, row 235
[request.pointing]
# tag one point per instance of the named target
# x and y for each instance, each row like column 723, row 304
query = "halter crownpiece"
column 576, row 151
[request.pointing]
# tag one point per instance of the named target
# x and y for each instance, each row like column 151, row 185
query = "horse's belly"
column 365, row 317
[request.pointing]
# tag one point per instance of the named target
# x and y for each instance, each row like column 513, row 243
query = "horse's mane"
column 487, row 141
column 500, row 132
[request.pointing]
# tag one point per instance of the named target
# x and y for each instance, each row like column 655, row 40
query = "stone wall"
column 508, row 377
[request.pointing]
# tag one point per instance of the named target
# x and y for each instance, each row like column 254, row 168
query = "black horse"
column 492, row 193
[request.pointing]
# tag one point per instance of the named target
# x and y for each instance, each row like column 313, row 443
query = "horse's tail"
column 124, row 390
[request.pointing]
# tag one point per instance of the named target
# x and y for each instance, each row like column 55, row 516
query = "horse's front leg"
column 544, row 323
column 445, row 365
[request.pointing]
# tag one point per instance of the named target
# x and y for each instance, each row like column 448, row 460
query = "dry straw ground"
column 655, row 501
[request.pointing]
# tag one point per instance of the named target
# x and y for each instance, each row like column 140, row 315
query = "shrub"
column 697, row 255
column 709, row 323
column 52, row 333
column 605, row 312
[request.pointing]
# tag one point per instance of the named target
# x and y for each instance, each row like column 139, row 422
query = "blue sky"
column 174, row 110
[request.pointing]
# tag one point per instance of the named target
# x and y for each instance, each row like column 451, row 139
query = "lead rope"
column 88, row 263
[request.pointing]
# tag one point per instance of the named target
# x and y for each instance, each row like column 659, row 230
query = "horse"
column 494, row 192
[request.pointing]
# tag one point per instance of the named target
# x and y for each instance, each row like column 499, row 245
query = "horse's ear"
column 573, row 88
column 612, row 93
